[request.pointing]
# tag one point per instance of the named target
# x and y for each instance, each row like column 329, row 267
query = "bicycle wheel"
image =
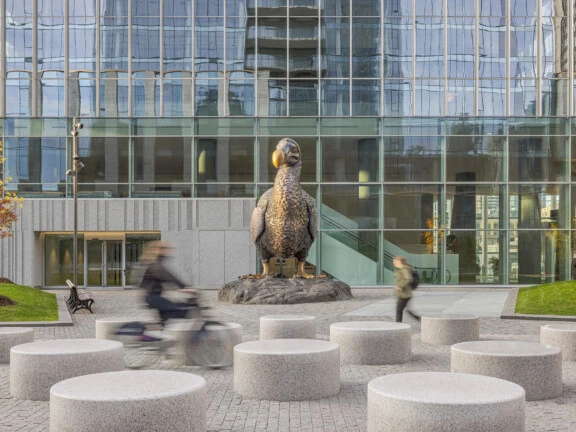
column 211, row 346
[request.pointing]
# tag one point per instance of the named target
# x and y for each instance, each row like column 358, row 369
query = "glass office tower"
column 436, row 129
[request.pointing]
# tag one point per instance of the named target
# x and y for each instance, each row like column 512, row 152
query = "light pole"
column 76, row 166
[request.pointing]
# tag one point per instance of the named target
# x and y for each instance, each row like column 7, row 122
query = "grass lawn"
column 558, row 298
column 31, row 304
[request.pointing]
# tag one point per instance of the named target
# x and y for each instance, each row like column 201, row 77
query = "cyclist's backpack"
column 415, row 279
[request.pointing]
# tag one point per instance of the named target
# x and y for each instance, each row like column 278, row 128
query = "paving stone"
column 342, row 413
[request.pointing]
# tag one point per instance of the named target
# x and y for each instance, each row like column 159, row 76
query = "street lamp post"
column 76, row 166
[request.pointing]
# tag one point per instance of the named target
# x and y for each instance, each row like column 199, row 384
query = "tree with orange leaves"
column 9, row 203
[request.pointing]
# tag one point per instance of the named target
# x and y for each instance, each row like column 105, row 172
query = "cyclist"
column 156, row 276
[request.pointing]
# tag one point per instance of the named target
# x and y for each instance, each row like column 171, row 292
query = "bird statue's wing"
column 258, row 221
column 312, row 215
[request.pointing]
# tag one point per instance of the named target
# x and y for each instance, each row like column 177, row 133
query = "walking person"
column 403, row 289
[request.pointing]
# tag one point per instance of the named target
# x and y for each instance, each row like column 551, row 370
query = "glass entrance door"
column 95, row 265
column 104, row 263
column 113, row 266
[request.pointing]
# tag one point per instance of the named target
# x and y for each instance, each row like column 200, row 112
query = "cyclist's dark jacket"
column 156, row 275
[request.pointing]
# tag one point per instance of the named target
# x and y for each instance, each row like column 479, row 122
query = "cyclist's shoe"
column 147, row 338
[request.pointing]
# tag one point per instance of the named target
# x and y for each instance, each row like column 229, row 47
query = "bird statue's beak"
column 278, row 158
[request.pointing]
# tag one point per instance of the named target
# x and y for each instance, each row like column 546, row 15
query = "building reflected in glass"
column 436, row 129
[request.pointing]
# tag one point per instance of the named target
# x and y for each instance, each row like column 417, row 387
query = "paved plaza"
column 345, row 412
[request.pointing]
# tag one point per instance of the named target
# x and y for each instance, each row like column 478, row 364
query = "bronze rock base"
column 284, row 291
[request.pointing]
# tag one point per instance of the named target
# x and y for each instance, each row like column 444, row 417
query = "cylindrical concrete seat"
column 287, row 327
column 35, row 367
column 12, row 336
column 448, row 329
column 217, row 342
column 287, row 369
column 535, row 367
column 129, row 401
column 106, row 327
column 373, row 342
column 563, row 336
column 444, row 402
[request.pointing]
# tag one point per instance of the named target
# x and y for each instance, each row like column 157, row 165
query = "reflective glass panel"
column 162, row 159
column 429, row 47
column 241, row 100
column 473, row 158
column 82, row 43
column 366, row 97
column 335, row 98
column 303, row 47
column 113, row 44
column 523, row 97
column 303, row 97
column 18, row 43
column 208, row 97
column 82, row 97
column 335, row 47
column 272, row 98
column 51, row 98
column 492, row 98
column 18, row 98
column 475, row 257
column 272, row 46
column 50, row 43
column 105, row 160
column 177, row 44
column 225, row 160
column 412, row 158
column 538, row 158
column 412, row 206
column 350, row 159
column 492, row 40
column 429, row 98
column 350, row 207
column 398, row 98
column 460, row 47
column 538, row 256
column 35, row 160
column 113, row 98
column 366, row 56
column 238, row 46
column 534, row 206
column 145, row 44
column 475, row 206
column 398, row 47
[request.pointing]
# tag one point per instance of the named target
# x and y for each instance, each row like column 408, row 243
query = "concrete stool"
column 537, row 368
column 373, row 342
column 35, row 367
column 287, row 327
column 287, row 369
column 563, row 336
column 444, row 402
column 218, row 344
column 106, row 327
column 449, row 329
column 12, row 336
column 129, row 401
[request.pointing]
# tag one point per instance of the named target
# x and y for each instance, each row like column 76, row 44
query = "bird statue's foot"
column 301, row 273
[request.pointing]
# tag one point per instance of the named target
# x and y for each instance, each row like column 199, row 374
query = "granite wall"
column 211, row 235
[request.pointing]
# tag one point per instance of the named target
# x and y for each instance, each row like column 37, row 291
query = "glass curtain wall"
column 268, row 58
column 467, row 201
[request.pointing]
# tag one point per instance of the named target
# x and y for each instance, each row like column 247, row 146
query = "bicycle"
column 200, row 340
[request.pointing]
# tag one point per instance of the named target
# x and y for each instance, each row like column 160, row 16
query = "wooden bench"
column 79, row 298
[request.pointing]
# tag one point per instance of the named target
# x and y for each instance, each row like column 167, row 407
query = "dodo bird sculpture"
column 284, row 222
